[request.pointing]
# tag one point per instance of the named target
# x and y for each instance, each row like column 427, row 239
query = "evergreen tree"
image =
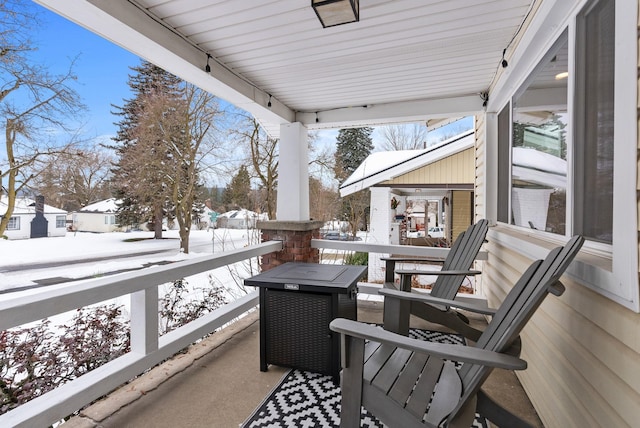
column 139, row 183
column 353, row 147
column 237, row 194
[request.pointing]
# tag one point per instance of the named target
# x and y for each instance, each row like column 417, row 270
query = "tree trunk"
column 157, row 223
column 10, row 136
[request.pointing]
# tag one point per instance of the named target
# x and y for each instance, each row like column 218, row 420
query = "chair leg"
column 395, row 316
column 352, row 383
column 498, row 414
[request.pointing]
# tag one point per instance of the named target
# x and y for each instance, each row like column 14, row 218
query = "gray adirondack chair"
column 412, row 383
column 455, row 268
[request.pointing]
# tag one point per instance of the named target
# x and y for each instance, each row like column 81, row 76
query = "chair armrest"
column 437, row 272
column 426, row 298
column 399, row 259
column 461, row 353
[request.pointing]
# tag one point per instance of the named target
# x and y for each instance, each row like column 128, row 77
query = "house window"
column 594, row 121
column 109, row 219
column 539, row 145
column 14, row 223
column 61, row 221
column 572, row 140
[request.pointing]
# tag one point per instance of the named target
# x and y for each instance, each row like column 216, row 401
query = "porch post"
column 292, row 225
column 379, row 229
column 293, row 174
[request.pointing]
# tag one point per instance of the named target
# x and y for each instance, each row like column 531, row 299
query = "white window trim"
column 17, row 222
column 610, row 270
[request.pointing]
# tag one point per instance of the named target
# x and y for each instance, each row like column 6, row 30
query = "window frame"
column 609, row 269
column 16, row 223
column 61, row 221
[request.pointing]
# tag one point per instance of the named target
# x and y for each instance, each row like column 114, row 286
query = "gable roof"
column 106, row 206
column 26, row 206
column 382, row 166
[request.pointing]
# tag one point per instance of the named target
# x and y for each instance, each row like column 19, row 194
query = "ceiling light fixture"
column 562, row 75
column 336, row 12
column 269, row 103
column 207, row 68
column 317, row 120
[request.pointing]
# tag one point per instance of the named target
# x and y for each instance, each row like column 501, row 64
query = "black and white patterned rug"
column 306, row 399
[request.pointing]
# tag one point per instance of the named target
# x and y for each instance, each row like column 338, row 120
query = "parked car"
column 335, row 235
column 436, row 232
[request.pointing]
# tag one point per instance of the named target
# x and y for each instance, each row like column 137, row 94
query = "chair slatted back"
column 541, row 278
column 461, row 255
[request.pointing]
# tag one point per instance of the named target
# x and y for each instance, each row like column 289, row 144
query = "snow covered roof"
column 383, row 166
column 243, row 214
column 538, row 167
column 107, row 206
column 27, row 206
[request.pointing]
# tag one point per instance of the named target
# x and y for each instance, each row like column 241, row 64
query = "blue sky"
column 101, row 66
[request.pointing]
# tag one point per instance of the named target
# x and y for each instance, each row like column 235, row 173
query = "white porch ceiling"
column 406, row 60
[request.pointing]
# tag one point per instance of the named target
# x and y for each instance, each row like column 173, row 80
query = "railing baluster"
column 144, row 321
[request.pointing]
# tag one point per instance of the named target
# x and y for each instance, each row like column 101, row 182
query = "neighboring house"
column 443, row 173
column 97, row 217
column 240, row 219
column 24, row 216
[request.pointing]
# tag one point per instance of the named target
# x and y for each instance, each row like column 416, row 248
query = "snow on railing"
column 147, row 347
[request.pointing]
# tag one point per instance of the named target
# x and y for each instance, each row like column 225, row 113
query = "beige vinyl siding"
column 461, row 216
column 583, row 351
column 455, row 169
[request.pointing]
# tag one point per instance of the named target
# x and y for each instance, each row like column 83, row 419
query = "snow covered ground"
column 62, row 256
column 27, row 263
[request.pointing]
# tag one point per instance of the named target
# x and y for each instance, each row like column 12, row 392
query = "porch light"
column 336, row 12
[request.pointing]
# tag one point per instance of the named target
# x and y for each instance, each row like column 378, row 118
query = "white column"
column 379, row 229
column 293, row 174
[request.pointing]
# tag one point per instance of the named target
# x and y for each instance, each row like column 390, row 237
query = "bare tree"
column 76, row 179
column 178, row 129
column 404, row 137
column 32, row 101
column 262, row 154
column 324, row 202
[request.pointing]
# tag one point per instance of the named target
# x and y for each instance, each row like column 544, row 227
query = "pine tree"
column 237, row 193
column 353, row 147
column 138, row 182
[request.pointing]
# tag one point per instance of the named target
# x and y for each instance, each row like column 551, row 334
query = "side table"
column 297, row 303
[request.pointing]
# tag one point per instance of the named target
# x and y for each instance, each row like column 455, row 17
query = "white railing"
column 402, row 250
column 399, row 250
column 147, row 347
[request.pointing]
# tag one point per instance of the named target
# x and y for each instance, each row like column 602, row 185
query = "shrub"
column 34, row 361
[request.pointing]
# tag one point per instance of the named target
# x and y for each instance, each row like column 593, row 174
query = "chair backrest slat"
column 461, row 255
column 518, row 307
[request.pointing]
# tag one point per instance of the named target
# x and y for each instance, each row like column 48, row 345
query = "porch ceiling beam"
column 129, row 27
column 399, row 112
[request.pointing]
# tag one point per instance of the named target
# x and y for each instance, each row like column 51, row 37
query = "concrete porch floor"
column 217, row 383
